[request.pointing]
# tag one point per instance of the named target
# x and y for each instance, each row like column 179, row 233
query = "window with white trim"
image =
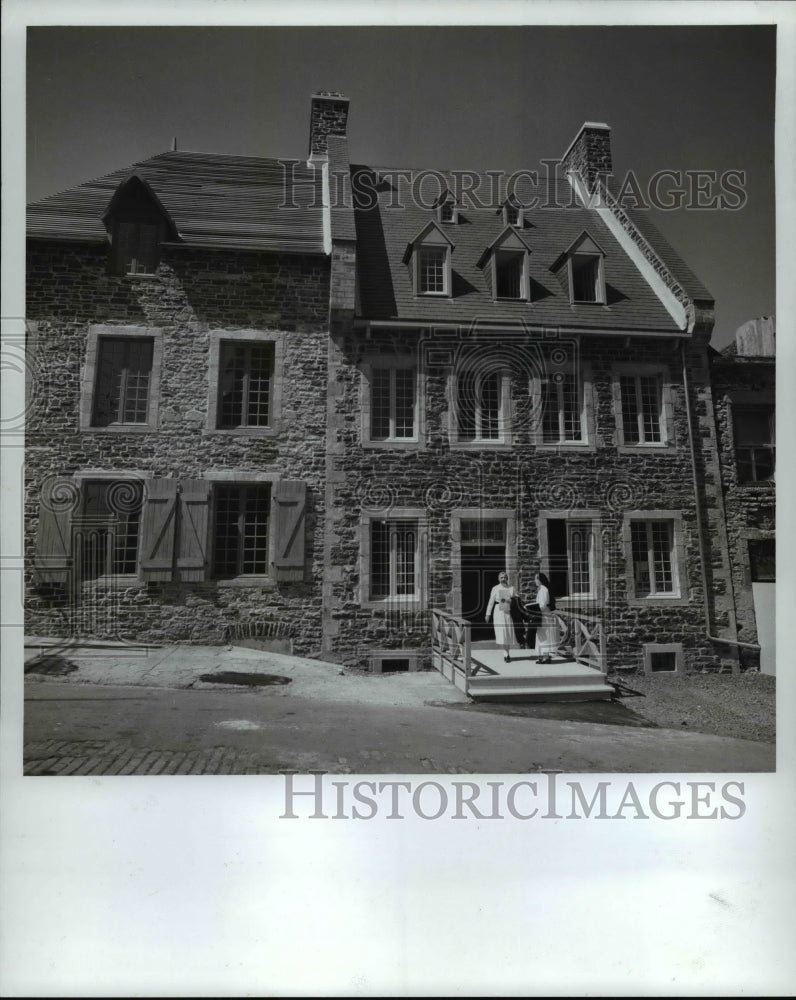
column 653, row 555
column 641, row 400
column 510, row 274
column 432, row 270
column 394, row 559
column 246, row 372
column 480, row 406
column 571, row 557
column 562, row 409
column 122, row 381
column 586, row 282
column 240, row 529
column 393, row 403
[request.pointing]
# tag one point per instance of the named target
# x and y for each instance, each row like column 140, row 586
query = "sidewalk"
column 176, row 666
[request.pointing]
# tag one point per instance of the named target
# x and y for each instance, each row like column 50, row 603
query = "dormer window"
column 512, row 212
column 508, row 266
column 137, row 224
column 446, row 208
column 429, row 255
column 584, row 270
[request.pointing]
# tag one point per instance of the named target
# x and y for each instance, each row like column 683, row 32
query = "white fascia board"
column 327, row 208
column 668, row 300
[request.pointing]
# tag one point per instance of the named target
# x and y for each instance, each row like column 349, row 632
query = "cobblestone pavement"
column 98, row 757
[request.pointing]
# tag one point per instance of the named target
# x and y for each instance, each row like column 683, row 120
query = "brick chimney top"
column 589, row 153
column 328, row 116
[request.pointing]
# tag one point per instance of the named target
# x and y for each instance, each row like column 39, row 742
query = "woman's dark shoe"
column 507, row 659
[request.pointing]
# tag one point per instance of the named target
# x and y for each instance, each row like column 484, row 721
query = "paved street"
column 90, row 729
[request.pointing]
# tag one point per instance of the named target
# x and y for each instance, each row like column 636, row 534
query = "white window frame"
column 217, row 337
column 592, row 518
column 679, row 594
column 665, row 407
column 397, row 602
column 507, row 206
column 663, row 647
column 419, row 250
column 394, row 363
column 88, row 380
column 600, row 287
column 525, row 284
column 454, row 212
column 503, row 439
column 585, row 387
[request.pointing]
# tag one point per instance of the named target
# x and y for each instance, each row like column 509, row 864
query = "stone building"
column 311, row 400
column 744, row 381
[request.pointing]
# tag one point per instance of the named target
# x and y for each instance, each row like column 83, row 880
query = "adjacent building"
column 310, row 400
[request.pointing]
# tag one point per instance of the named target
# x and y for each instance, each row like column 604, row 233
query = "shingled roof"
column 213, row 200
column 385, row 280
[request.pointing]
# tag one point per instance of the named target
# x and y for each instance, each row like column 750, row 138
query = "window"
column 663, row 657
column 240, row 529
column 754, row 428
column 479, row 406
column 124, row 372
column 107, row 535
column 561, row 409
column 762, row 560
column 570, row 555
column 510, row 275
column 511, row 214
column 641, row 409
column 136, row 247
column 431, row 270
column 393, row 559
column 585, row 275
column 393, row 404
column 448, row 211
column 654, row 571
column 246, row 372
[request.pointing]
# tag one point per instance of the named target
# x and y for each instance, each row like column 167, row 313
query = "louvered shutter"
column 157, row 529
column 193, row 530
column 53, row 560
column 289, row 515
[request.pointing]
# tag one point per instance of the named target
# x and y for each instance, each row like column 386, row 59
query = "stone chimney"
column 756, row 338
column 328, row 116
column 589, row 153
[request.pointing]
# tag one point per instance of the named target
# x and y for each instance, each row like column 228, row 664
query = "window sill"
column 412, row 444
column 635, row 449
column 432, row 295
column 140, row 277
column 658, row 600
column 480, row 444
column 121, row 429
column 265, row 582
column 577, row 446
column 392, row 604
column 256, row 432
column 128, row 581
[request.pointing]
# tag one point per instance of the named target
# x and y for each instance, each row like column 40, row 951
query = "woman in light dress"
column 500, row 602
column 547, row 632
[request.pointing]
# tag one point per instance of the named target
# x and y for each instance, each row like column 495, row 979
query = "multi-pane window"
column 393, row 559
column 432, row 262
column 124, row 371
column 447, row 211
column 762, row 560
column 393, row 404
column 479, row 398
column 240, row 530
column 136, row 247
column 509, row 267
column 561, row 413
column 246, row 372
column 107, row 534
column 652, row 545
column 586, row 279
column 641, row 409
column 511, row 214
column 570, row 547
column 754, row 443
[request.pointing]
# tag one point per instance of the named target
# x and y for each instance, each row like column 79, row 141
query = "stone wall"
column 526, row 478
column 194, row 295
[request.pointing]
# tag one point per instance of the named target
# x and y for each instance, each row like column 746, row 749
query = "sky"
column 495, row 98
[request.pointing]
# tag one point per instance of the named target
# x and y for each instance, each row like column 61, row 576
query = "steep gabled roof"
column 553, row 225
column 214, row 200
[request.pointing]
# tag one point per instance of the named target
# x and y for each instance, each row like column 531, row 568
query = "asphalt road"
column 92, row 729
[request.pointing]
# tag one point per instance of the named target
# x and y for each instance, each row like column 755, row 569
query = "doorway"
column 483, row 556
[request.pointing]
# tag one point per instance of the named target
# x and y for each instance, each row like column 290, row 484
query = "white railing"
column 583, row 638
column 451, row 647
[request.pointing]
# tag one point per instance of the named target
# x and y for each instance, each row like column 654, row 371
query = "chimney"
column 589, row 154
column 756, row 338
column 328, row 116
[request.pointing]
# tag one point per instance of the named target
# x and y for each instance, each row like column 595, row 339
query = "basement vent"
column 663, row 658
column 393, row 664
column 399, row 661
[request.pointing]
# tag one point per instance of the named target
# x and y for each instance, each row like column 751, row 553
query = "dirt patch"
column 605, row 713
column 244, row 679
column 51, row 665
column 738, row 705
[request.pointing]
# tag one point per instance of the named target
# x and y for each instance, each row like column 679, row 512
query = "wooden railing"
column 450, row 647
column 583, row 638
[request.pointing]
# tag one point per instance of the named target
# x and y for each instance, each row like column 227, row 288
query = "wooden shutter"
column 53, row 562
column 157, row 542
column 193, row 530
column 289, row 525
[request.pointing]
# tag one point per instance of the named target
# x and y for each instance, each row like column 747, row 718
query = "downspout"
column 699, row 522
